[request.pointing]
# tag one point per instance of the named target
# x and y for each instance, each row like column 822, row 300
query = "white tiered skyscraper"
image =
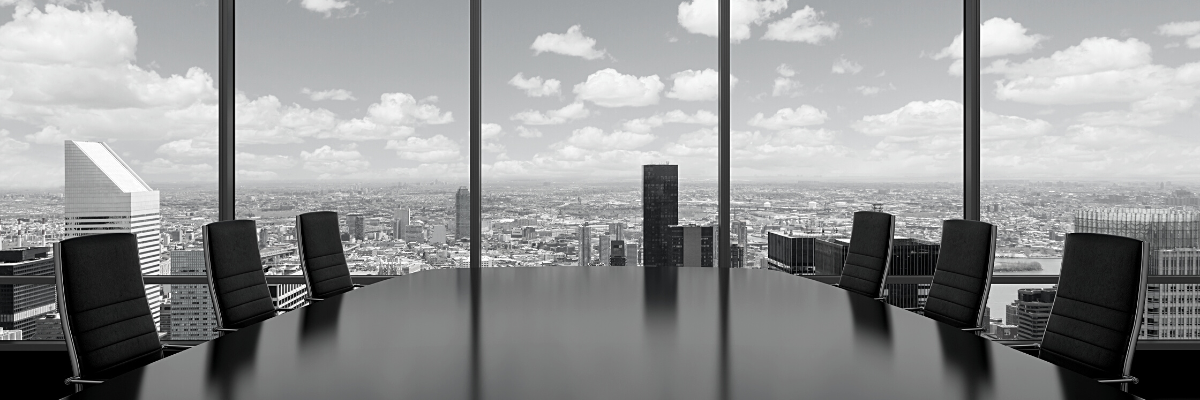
column 103, row 195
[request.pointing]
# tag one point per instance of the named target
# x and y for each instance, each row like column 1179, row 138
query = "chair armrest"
column 356, row 285
column 1020, row 344
column 312, row 299
column 914, row 308
column 176, row 347
column 1125, row 379
column 975, row 329
column 285, row 309
column 835, row 284
column 75, row 380
column 224, row 330
column 881, row 298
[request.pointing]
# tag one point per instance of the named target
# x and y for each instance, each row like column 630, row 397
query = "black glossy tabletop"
column 600, row 333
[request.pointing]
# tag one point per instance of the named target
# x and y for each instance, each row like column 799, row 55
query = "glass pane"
column 842, row 107
column 378, row 133
column 107, row 104
column 1088, row 126
column 600, row 146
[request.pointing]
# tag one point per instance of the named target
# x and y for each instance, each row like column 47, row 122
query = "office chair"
column 869, row 255
column 1097, row 312
column 236, row 281
column 106, row 317
column 321, row 256
column 962, row 278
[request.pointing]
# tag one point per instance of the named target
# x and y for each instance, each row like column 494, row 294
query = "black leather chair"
column 236, row 281
column 959, row 291
column 106, row 318
column 321, row 256
column 869, row 255
column 1097, row 312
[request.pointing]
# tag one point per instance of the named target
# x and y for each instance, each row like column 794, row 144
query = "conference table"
column 600, row 333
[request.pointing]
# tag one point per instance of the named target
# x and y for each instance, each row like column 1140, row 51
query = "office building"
column 21, row 306
column 191, row 311
column 1031, row 310
column 49, row 327
column 616, row 253
column 911, row 257
column 605, row 249
column 660, row 211
column 737, row 255
column 401, row 218
column 616, row 230
column 739, row 232
column 691, row 245
column 529, row 233
column 11, row 334
column 103, row 195
column 633, row 255
column 356, row 226
column 794, row 254
column 585, row 245
column 414, row 233
column 1161, row 229
column 437, row 234
column 809, row 255
column 462, row 214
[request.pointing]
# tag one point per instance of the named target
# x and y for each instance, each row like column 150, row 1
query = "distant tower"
column 462, row 213
column 400, row 221
column 616, row 253
column 605, row 250
column 103, row 195
column 191, row 313
column 691, row 246
column 356, row 225
column 741, row 233
column 616, row 230
column 660, row 210
column 585, row 245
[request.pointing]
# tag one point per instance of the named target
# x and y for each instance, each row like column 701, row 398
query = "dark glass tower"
column 660, row 210
column 462, row 213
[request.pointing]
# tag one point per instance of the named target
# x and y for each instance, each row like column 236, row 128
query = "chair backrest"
column 235, row 274
column 870, row 253
column 963, row 275
column 321, row 255
column 106, row 318
column 1097, row 312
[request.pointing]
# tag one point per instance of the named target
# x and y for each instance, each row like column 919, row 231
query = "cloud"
column 803, row 26
column 1095, row 54
column 609, row 88
column 491, row 131
column 643, row 125
column 572, row 43
column 326, row 7
column 535, row 86
column 90, row 36
column 873, row 90
column 842, row 66
column 784, row 85
column 258, row 162
column 804, row 115
column 938, row 117
column 1190, row 28
column 189, row 148
column 48, row 135
column 332, row 94
column 402, row 108
column 693, row 85
column 330, row 163
column 595, row 139
column 257, row 175
column 435, row 149
column 998, row 37
column 161, row 166
column 700, row 16
column 569, row 112
column 528, row 133
column 785, row 70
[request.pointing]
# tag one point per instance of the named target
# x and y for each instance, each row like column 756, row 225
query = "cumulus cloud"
column 785, row 70
column 926, row 118
column 48, row 135
column 402, row 108
column 693, row 85
column 609, row 88
column 569, row 112
column 593, row 138
column 803, row 26
column 844, row 66
column 1189, row 29
column 260, row 162
column 491, row 131
column 784, row 85
column 536, row 86
column 572, row 43
column 805, row 115
column 643, row 125
column 435, row 149
column 189, row 148
column 700, row 16
column 331, row 163
column 332, row 94
column 326, row 7
column 162, row 166
column 998, row 37
column 528, row 133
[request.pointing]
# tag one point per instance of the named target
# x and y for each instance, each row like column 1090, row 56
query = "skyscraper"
column 616, row 253
column 585, row 245
column 1032, row 310
column 400, row 220
column 103, row 195
column 633, row 255
column 462, row 213
column 21, row 306
column 605, row 249
column 356, row 226
column 741, row 234
column 1169, row 235
column 691, row 246
column 192, row 316
column 660, row 210
column 616, row 230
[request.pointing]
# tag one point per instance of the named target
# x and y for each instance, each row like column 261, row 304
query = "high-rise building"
column 616, row 230
column 414, row 233
column 11, row 334
column 21, row 306
column 529, row 233
column 616, row 253
column 49, row 327
column 633, row 255
column 356, row 226
column 794, row 254
column 103, row 195
column 741, row 233
column 437, row 234
column 691, row 246
column 462, row 214
column 605, row 249
column 585, row 245
column 738, row 255
column 911, row 257
column 660, row 211
column 1032, row 310
column 400, row 220
column 1162, row 230
column 191, row 311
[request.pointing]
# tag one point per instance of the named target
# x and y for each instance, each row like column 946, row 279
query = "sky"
column 371, row 90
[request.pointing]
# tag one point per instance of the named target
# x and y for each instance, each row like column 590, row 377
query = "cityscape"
column 799, row 228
